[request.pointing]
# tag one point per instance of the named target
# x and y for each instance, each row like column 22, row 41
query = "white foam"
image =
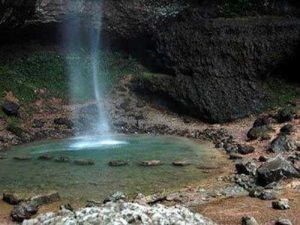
column 92, row 143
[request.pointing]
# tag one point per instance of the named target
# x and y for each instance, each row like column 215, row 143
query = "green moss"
column 24, row 74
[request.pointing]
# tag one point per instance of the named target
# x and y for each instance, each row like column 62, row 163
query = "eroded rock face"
column 123, row 213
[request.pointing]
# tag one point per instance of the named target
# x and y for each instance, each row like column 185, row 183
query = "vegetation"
column 24, row 75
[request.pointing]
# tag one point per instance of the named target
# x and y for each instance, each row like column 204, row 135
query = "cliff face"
column 215, row 65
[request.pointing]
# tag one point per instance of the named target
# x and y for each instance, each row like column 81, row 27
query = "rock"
column 45, row 157
column 247, row 220
column 283, row 222
column 116, row 163
column 245, row 149
column 267, row 195
column 23, row 211
column 123, row 213
column 181, row 163
column 287, row 129
column 13, row 198
column 151, row 163
column 10, row 108
column 259, row 132
column 62, row 159
column 84, row 162
column 64, row 122
column 285, row 114
column 263, row 121
column 23, row 157
column 45, row 199
column 282, row 144
column 247, row 168
column 263, row 158
column 276, row 169
column 234, row 156
column 118, row 196
column 281, row 204
column 67, row 207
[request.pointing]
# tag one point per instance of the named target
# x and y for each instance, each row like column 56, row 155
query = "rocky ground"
column 264, row 152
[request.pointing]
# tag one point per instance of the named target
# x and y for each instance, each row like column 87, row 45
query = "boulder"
column 247, row 168
column 282, row 144
column 281, row 204
column 285, row 114
column 10, row 108
column 248, row 220
column 263, row 121
column 276, row 169
column 45, row 198
column 259, row 132
column 283, row 222
column 287, row 129
column 245, row 149
column 267, row 195
column 23, row 211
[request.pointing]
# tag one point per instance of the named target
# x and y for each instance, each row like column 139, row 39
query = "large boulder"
column 283, row 143
column 276, row 169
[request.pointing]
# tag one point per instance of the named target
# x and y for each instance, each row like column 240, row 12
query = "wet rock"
column 263, row 158
column 281, row 204
column 283, row 222
column 38, row 123
column 151, row 163
column 45, row 199
column 23, row 211
column 64, row 122
column 276, row 169
column 62, row 159
column 247, row 168
column 22, row 157
column 282, row 144
column 245, row 149
column 45, row 157
column 116, row 163
column 247, row 220
column 10, row 108
column 84, row 162
column 286, row 114
column 123, row 213
column 13, row 198
column 287, row 129
column 115, row 197
column 181, row 163
column 259, row 132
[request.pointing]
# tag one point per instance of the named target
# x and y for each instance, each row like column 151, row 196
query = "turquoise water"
column 75, row 182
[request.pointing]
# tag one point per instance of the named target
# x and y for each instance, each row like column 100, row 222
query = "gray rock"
column 62, row 159
column 10, row 108
column 282, row 144
column 45, row 157
column 281, row 204
column 123, row 213
column 45, row 199
column 283, row 222
column 285, row 114
column 247, row 168
column 115, row 197
column 268, row 195
column 259, row 132
column 23, row 211
column 287, row 129
column 181, row 163
column 151, row 163
column 276, row 169
column 247, row 220
column 23, row 157
column 13, row 198
column 245, row 149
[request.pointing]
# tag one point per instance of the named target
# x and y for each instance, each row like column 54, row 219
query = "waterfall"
column 82, row 43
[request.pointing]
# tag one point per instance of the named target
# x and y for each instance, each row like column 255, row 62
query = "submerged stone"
column 181, row 163
column 151, row 163
column 45, row 199
column 84, row 162
column 116, row 163
column 45, row 157
column 23, row 157
column 62, row 159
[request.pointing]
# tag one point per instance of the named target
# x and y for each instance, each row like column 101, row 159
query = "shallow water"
column 81, row 183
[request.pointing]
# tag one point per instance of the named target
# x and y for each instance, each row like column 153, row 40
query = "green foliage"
column 25, row 74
